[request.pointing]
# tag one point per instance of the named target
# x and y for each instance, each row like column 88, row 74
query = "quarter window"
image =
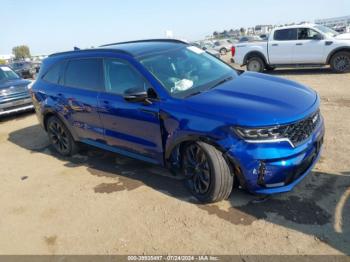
column 121, row 76
column 53, row 74
column 85, row 74
column 285, row 34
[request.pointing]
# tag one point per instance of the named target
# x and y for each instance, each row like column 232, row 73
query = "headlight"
column 267, row 133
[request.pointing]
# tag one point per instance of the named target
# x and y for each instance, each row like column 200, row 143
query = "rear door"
column 281, row 46
column 82, row 83
column 309, row 48
column 133, row 128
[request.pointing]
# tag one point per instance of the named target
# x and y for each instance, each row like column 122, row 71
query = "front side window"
column 7, row 74
column 187, row 70
column 285, row 34
column 121, row 76
column 308, row 34
column 85, row 74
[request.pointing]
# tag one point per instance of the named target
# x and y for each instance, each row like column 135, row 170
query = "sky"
column 48, row 26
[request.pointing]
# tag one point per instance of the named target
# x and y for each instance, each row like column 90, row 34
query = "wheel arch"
column 49, row 113
column 231, row 161
column 254, row 54
column 336, row 50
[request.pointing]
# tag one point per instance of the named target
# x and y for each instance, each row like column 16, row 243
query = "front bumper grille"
column 300, row 131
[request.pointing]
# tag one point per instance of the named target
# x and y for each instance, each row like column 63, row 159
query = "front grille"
column 13, row 90
column 13, row 97
column 302, row 130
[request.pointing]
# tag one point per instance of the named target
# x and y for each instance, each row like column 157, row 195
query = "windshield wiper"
column 193, row 94
column 222, row 81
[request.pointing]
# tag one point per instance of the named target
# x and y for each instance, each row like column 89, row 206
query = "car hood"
column 254, row 99
column 13, row 83
column 345, row 36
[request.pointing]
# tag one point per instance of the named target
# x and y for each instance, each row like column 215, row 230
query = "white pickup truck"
column 297, row 45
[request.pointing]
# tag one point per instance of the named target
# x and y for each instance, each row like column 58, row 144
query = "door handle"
column 274, row 44
column 299, row 44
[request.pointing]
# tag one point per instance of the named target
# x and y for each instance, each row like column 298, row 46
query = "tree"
column 21, row 52
column 215, row 34
column 242, row 30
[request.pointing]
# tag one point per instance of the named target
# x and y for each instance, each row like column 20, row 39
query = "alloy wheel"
column 59, row 137
column 342, row 63
column 197, row 169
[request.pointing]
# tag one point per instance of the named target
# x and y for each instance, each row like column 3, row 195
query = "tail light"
column 233, row 51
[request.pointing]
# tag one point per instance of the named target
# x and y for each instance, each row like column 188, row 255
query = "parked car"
column 298, row 45
column 223, row 46
column 36, row 65
column 24, row 69
column 14, row 94
column 251, row 38
column 169, row 103
column 207, row 47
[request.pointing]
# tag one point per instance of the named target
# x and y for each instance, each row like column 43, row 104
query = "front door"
column 309, row 48
column 129, row 126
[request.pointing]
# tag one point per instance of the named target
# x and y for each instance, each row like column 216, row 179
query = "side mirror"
column 135, row 95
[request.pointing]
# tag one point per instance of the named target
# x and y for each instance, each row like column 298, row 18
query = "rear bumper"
column 16, row 106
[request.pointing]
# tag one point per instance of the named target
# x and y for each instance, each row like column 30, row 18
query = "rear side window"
column 121, row 76
column 285, row 34
column 53, row 75
column 85, row 74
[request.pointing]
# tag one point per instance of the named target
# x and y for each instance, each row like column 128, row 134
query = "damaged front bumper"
column 270, row 168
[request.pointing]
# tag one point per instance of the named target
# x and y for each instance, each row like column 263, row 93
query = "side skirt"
column 120, row 151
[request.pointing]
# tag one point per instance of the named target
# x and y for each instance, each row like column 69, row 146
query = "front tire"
column 255, row 64
column 60, row 137
column 207, row 173
column 340, row 62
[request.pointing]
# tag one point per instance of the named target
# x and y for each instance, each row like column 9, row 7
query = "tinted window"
column 285, row 34
column 120, row 76
column 53, row 74
column 308, row 34
column 85, row 73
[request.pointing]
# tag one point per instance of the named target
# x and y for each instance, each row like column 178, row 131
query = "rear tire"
column 340, row 62
column 255, row 64
column 208, row 176
column 60, row 137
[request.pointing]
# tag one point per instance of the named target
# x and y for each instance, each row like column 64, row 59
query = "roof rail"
column 89, row 50
column 148, row 40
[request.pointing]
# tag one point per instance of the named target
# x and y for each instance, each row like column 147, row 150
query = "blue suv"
column 169, row 103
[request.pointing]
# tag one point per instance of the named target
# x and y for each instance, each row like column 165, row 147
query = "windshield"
column 187, row 70
column 327, row 30
column 7, row 74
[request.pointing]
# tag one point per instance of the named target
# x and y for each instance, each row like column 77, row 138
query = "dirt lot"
column 101, row 203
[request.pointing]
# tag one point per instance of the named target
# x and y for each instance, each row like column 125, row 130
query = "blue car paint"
column 153, row 132
column 14, row 91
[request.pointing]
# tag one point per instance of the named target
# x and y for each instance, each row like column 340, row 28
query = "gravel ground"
column 101, row 203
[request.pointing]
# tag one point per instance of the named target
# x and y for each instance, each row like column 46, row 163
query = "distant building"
column 335, row 22
column 262, row 29
column 7, row 58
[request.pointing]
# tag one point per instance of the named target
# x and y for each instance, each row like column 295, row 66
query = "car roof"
column 135, row 48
